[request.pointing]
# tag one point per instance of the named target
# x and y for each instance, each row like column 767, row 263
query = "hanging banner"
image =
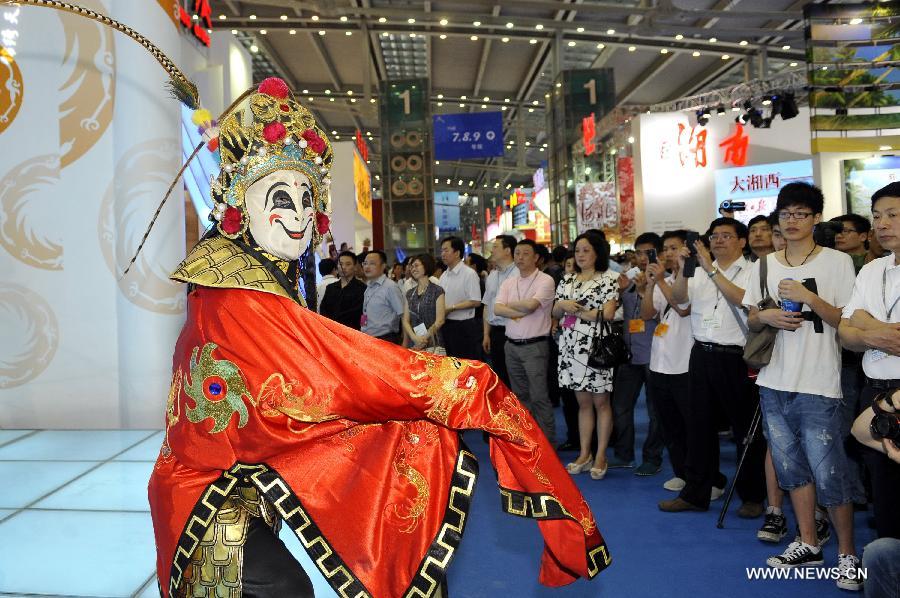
column 363, row 184
column 596, row 206
column 625, row 179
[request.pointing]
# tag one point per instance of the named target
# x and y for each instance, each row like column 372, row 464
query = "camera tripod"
column 748, row 440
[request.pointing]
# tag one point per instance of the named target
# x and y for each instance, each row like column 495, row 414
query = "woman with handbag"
column 423, row 308
column 584, row 300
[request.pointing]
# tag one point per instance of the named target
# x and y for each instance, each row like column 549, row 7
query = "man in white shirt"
column 526, row 300
column 718, row 377
column 667, row 380
column 328, row 270
column 462, row 294
column 871, row 323
column 495, row 326
column 800, row 387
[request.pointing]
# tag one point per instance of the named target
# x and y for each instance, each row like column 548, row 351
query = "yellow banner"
column 363, row 184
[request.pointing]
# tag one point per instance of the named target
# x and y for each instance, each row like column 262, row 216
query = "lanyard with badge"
column 636, row 325
column 877, row 354
column 714, row 320
column 364, row 318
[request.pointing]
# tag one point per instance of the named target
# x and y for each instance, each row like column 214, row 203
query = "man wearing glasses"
column 717, row 373
column 382, row 301
column 800, row 388
column 853, row 238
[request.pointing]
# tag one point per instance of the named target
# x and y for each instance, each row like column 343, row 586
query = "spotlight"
column 788, row 106
column 703, row 117
column 720, row 110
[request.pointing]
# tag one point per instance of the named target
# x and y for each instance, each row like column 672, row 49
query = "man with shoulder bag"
column 718, row 376
column 800, row 387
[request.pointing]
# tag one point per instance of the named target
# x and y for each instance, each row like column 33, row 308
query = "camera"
column 825, row 232
column 732, row 206
column 885, row 425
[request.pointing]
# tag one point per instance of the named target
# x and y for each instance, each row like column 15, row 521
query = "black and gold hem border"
column 546, row 507
column 432, row 569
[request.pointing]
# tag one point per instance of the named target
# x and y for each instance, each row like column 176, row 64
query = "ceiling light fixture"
column 679, row 37
column 263, row 32
column 580, row 30
column 538, row 26
column 474, row 38
column 444, row 22
column 321, row 32
column 382, row 20
column 793, row 64
column 713, row 40
column 504, row 39
column 532, row 41
column 695, row 54
column 477, row 23
column 664, row 51
column 254, row 48
column 293, row 32
column 571, row 44
column 743, row 42
column 610, row 32
column 601, row 46
column 631, row 48
column 343, row 19
column 725, row 56
column 785, row 47
column 410, row 21
column 509, row 25
column 252, row 17
column 315, row 17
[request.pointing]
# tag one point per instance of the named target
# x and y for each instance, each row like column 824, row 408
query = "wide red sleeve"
column 363, row 432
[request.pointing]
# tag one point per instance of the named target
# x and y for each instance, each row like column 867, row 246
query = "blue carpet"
column 654, row 554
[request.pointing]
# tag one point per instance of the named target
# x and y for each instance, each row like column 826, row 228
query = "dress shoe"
column 750, row 510
column 677, row 505
column 568, row 446
column 647, row 469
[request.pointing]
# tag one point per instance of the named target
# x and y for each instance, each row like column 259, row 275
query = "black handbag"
column 609, row 348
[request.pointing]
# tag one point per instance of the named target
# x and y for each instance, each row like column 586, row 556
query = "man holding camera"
column 871, row 323
column 632, row 376
column 717, row 372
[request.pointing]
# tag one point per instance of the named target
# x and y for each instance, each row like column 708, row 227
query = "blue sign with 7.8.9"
column 467, row 136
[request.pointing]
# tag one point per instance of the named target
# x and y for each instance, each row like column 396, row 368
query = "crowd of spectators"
column 686, row 304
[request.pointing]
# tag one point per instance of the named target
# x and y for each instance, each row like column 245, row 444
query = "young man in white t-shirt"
column 800, row 388
column 872, row 324
column 670, row 352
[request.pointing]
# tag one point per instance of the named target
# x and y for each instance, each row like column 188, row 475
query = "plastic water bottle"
column 788, row 305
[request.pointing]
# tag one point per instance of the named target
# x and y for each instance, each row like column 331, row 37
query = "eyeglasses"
column 722, row 237
column 784, row 215
column 847, row 231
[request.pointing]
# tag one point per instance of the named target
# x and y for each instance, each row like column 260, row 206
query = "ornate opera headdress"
column 277, row 134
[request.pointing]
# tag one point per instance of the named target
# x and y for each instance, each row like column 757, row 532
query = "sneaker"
column 716, row 493
column 797, row 554
column 616, row 463
column 647, row 469
column 676, row 484
column 849, row 573
column 774, row 528
column 823, row 532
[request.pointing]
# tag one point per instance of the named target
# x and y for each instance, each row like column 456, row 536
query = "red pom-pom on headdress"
column 231, row 220
column 274, row 132
column 274, row 87
column 316, row 143
column 322, row 222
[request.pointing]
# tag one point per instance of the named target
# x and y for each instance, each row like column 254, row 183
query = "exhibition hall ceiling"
column 503, row 54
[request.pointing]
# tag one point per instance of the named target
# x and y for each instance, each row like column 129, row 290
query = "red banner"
column 625, row 179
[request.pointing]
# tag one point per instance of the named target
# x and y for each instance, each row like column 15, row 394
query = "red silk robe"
column 355, row 442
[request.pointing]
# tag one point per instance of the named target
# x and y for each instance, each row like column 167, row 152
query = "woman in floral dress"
column 581, row 300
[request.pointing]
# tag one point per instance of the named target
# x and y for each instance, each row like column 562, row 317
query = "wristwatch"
column 712, row 273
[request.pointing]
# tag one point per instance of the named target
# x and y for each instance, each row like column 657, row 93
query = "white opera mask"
column 280, row 210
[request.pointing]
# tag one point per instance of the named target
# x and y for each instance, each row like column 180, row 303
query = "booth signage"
column 363, row 184
column 588, row 132
column 736, row 147
column 361, row 145
column 757, row 187
column 467, row 136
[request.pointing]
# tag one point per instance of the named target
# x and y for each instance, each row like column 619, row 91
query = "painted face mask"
column 280, row 209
